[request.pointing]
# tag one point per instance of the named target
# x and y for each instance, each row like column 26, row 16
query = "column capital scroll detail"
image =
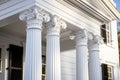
column 95, row 42
column 35, row 13
column 34, row 17
column 81, row 37
column 55, row 25
column 83, row 33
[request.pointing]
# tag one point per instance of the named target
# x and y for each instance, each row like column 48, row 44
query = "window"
column 106, row 33
column 107, row 72
column 43, row 67
column 0, row 60
column 110, row 73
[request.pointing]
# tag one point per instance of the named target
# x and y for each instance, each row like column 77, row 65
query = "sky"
column 118, row 7
column 117, row 4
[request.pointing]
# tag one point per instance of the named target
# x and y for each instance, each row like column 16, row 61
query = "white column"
column 94, row 60
column 53, row 64
column 81, row 55
column 33, row 60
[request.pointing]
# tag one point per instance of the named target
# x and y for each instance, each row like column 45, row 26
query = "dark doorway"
column 15, row 68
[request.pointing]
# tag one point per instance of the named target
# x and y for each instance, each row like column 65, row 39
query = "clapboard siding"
column 68, row 65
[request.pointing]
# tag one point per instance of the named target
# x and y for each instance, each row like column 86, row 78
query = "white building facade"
column 58, row 40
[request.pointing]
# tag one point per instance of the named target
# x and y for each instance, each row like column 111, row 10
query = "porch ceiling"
column 16, row 28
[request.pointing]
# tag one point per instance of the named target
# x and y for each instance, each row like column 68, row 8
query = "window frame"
column 111, row 72
column 107, row 71
column 106, row 33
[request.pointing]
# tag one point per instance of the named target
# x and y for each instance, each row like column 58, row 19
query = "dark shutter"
column 104, row 72
column 15, row 68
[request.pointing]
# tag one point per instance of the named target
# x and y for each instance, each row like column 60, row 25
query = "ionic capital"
column 34, row 16
column 83, row 33
column 35, row 13
column 97, row 39
column 95, row 42
column 55, row 25
column 80, row 36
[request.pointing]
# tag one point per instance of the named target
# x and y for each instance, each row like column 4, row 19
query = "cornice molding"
column 90, row 9
column 112, row 8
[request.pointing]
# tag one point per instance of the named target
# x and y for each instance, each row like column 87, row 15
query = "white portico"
column 36, row 18
column 36, row 40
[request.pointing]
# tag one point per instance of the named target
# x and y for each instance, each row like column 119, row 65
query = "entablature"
column 12, row 7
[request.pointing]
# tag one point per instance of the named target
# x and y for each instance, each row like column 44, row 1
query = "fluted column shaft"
column 81, row 56
column 33, row 53
column 53, row 57
column 33, row 60
column 94, row 60
column 53, row 63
